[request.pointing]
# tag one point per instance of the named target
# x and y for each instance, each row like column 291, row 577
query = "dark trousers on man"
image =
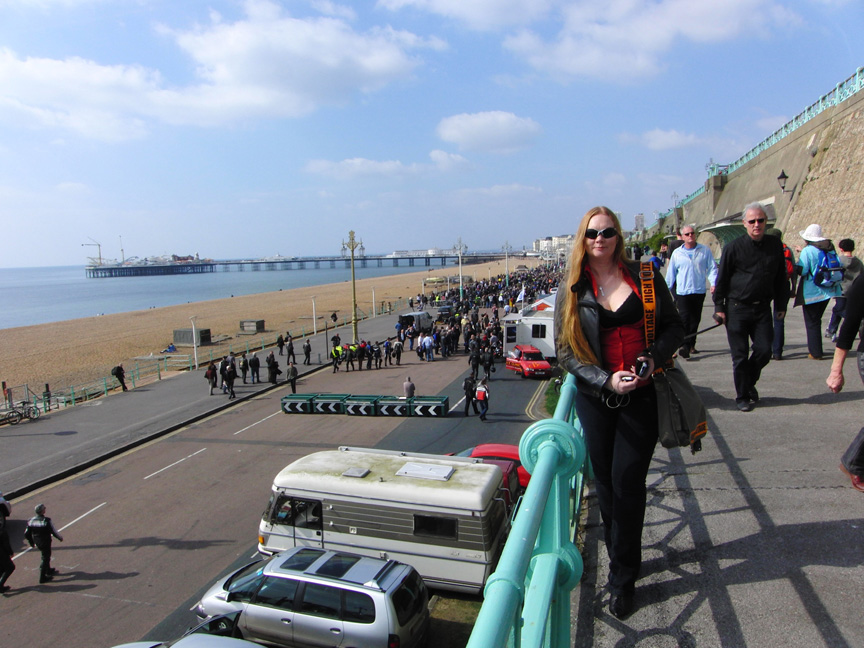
column 813, row 323
column 690, row 309
column 45, row 571
column 745, row 322
column 620, row 443
column 837, row 315
column 469, row 401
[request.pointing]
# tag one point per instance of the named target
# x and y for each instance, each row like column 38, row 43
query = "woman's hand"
column 647, row 359
column 623, row 382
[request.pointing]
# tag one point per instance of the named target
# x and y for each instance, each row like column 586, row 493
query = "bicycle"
column 10, row 416
column 14, row 414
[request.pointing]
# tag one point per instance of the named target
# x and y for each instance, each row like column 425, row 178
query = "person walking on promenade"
column 752, row 274
column 40, row 530
column 255, row 368
column 244, row 367
column 409, row 388
column 273, row 370
column 397, row 351
column 791, row 280
column 814, row 298
column 120, row 374
column 852, row 267
column 280, row 342
column 336, row 357
column 7, row 565
column 691, row 266
column 211, row 375
column 852, row 462
column 601, row 338
column 470, row 389
column 483, row 397
column 289, row 349
column 292, row 377
column 307, row 352
column 223, row 368
column 230, row 377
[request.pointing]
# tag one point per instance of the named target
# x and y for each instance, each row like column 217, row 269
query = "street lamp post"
column 352, row 245
column 460, row 247
column 506, row 248
column 194, row 340
column 314, row 318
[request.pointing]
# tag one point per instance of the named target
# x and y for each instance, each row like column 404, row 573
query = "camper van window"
column 322, row 601
column 307, row 514
column 436, row 527
column 538, row 331
column 358, row 608
column 277, row 592
column 511, row 333
column 280, row 512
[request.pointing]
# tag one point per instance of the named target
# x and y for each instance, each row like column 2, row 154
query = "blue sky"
column 237, row 129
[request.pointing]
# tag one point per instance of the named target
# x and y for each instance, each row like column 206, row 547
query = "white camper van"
column 445, row 516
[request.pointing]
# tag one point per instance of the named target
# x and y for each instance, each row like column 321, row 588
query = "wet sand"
column 79, row 351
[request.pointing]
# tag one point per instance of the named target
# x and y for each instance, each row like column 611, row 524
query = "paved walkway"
column 758, row 540
column 34, row 453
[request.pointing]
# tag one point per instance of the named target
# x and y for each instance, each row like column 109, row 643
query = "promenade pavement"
column 60, row 443
column 758, row 540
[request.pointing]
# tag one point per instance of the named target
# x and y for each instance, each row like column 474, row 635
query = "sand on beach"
column 79, row 351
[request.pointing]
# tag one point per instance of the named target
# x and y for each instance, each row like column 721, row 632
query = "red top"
column 621, row 343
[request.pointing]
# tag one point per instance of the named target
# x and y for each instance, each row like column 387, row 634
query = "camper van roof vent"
column 426, row 471
column 354, row 471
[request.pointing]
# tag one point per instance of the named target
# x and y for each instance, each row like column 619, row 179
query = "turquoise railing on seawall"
column 527, row 600
column 841, row 92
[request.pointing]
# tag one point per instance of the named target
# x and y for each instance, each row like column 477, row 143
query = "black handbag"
column 681, row 416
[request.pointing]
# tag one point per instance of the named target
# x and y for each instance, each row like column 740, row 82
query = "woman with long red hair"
column 601, row 339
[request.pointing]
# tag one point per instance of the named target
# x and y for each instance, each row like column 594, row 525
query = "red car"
column 499, row 451
column 528, row 361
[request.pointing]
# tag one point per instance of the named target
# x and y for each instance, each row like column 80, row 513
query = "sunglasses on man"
column 756, row 220
column 607, row 233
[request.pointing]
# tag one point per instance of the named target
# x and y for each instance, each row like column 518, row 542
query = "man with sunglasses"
column 691, row 268
column 752, row 274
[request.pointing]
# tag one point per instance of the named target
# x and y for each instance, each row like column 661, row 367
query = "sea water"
column 40, row 295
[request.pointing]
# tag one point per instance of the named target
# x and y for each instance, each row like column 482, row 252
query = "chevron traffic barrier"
column 298, row 403
column 360, row 405
column 430, row 406
column 395, row 406
column 330, row 403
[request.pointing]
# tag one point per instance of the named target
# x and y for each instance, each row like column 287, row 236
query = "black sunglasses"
column 607, row 233
column 756, row 220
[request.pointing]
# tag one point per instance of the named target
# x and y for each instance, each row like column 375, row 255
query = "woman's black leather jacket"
column 669, row 332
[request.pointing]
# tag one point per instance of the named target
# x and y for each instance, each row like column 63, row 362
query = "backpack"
column 829, row 272
column 481, row 394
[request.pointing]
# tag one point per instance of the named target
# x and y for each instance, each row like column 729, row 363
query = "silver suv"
column 309, row 596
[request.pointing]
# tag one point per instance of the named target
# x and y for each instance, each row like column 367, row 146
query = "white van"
column 445, row 516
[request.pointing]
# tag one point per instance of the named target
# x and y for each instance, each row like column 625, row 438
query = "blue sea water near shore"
column 40, row 295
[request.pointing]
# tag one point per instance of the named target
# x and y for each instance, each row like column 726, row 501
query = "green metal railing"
column 527, row 599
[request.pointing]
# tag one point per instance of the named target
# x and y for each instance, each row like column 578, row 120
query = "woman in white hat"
column 814, row 297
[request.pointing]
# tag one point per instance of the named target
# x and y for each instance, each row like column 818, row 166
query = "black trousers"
column 45, row 565
column 813, row 323
column 743, row 324
column 469, row 401
column 690, row 309
column 620, row 444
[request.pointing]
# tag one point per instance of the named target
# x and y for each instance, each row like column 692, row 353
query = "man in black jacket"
column 40, row 530
column 752, row 274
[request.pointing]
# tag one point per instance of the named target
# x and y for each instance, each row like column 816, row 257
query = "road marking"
column 175, row 463
column 63, row 528
column 538, row 393
column 457, row 404
column 257, row 422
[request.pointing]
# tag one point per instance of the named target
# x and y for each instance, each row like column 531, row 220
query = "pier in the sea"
column 286, row 263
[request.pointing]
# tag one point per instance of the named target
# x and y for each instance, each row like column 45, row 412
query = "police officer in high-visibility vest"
column 40, row 530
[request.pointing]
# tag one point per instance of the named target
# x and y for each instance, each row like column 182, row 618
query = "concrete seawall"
column 824, row 162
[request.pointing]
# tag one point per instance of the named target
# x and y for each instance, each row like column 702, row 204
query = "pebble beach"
column 78, row 351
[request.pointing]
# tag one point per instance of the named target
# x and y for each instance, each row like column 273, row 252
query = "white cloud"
column 662, row 140
column 627, row 39
column 265, row 65
column 503, row 191
column 329, row 8
column 365, row 168
column 490, row 132
column 479, row 14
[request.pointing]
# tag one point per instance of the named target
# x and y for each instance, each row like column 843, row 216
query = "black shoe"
column 684, row 352
column 777, row 356
column 694, row 350
column 4, row 589
column 753, row 395
column 45, row 579
column 621, row 605
column 52, row 571
column 744, row 405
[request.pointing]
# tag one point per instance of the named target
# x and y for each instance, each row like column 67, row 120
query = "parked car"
column 445, row 311
column 311, row 596
column 502, row 452
column 216, row 632
column 528, row 362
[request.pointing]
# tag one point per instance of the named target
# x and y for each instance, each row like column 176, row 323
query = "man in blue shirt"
column 691, row 266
